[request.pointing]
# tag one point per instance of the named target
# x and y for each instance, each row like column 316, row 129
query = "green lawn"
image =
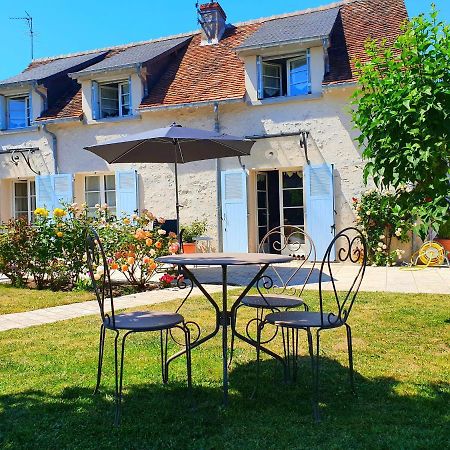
column 13, row 300
column 47, row 375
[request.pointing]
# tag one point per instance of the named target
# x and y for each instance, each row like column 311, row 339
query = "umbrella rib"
column 129, row 150
column 228, row 146
column 181, row 152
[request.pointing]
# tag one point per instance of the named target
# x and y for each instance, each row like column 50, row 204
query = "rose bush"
column 379, row 218
column 51, row 250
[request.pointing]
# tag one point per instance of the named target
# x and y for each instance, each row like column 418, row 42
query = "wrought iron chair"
column 277, row 289
column 332, row 313
column 127, row 323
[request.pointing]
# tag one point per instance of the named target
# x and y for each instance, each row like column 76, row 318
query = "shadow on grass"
column 157, row 416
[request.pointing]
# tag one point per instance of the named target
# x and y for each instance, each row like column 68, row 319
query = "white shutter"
column 63, row 189
column 126, row 193
column 259, row 74
column 44, row 192
column 2, row 112
column 95, row 101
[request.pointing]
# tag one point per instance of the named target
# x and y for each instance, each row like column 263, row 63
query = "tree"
column 402, row 108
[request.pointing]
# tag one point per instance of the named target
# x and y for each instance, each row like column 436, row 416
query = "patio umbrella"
column 174, row 144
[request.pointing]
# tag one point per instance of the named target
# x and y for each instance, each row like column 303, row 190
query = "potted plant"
column 190, row 232
column 443, row 237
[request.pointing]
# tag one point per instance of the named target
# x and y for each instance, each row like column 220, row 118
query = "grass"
column 13, row 300
column 401, row 362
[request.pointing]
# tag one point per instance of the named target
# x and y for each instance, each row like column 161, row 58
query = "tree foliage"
column 402, row 108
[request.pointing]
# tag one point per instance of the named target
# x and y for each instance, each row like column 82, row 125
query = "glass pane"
column 17, row 111
column 32, row 188
column 293, row 216
column 262, row 231
column 33, row 203
column 261, row 181
column 273, row 83
column 92, row 183
column 92, row 198
column 125, row 88
column 21, row 215
column 271, row 92
column 20, row 189
column 21, row 204
column 262, row 217
column 271, row 70
column 292, row 180
column 262, row 198
column 110, row 182
column 111, row 198
column 293, row 197
column 109, row 100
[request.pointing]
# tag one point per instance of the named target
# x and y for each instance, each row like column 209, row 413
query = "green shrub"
column 196, row 228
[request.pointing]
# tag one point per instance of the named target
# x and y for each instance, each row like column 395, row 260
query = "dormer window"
column 282, row 76
column 114, row 99
column 18, row 111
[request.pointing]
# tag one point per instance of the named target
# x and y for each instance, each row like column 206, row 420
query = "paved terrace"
column 377, row 279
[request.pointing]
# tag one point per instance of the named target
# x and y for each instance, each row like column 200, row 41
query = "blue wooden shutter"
column 319, row 192
column 44, row 192
column 2, row 112
column 259, row 75
column 63, row 189
column 234, row 211
column 95, row 101
column 126, row 193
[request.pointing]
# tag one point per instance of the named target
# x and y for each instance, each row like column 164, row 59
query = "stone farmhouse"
column 285, row 81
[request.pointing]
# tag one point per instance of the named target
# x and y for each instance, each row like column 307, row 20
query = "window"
column 114, row 99
column 292, row 199
column 18, row 111
column 100, row 189
column 24, row 200
column 285, row 76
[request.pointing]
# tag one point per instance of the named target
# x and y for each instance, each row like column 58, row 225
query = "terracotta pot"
column 189, row 247
column 445, row 243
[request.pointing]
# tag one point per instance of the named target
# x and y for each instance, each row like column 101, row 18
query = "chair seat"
column 275, row 301
column 145, row 321
column 303, row 319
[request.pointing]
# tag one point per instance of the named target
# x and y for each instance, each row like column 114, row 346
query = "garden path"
column 377, row 279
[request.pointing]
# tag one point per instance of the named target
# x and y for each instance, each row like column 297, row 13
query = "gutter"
column 344, row 84
column 60, row 120
column 281, row 43
column 192, row 104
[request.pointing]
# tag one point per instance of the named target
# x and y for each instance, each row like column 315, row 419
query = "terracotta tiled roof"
column 200, row 73
column 361, row 20
column 203, row 72
column 69, row 107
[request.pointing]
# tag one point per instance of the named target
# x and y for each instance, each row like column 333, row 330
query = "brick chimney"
column 212, row 19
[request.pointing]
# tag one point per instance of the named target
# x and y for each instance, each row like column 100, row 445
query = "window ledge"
column 285, row 99
column 31, row 129
column 113, row 119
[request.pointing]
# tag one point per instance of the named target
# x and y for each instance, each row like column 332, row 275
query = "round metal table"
column 224, row 317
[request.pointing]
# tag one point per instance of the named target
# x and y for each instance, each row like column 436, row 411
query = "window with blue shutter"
column 126, row 193
column 319, row 192
column 44, row 192
column 234, row 211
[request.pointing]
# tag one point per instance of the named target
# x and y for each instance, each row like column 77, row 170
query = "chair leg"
column 119, row 375
column 350, row 357
column 187, row 338
column 258, row 355
column 101, row 348
column 234, row 319
column 316, row 379
column 164, row 366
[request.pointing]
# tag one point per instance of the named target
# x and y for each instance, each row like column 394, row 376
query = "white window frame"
column 30, row 208
column 280, row 77
column 120, row 94
column 281, row 191
column 288, row 73
column 103, row 191
column 27, row 110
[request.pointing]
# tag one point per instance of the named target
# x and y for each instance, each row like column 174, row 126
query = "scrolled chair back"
column 100, row 275
column 293, row 241
column 351, row 248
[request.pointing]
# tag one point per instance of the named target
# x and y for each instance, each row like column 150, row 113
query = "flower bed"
column 51, row 251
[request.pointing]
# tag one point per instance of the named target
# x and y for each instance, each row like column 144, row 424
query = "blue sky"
column 66, row 26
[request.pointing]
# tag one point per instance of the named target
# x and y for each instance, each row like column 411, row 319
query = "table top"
column 224, row 259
